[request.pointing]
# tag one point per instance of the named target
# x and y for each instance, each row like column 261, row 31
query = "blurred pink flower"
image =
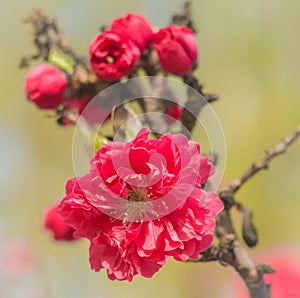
column 21, row 270
column 285, row 281
column 17, row 257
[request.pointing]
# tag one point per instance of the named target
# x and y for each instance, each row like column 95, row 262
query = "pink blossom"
column 176, row 49
column 17, row 258
column 144, row 171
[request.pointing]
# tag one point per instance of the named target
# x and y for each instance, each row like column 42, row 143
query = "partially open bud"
column 45, row 85
column 176, row 49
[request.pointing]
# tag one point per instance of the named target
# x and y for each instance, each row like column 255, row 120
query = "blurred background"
column 249, row 54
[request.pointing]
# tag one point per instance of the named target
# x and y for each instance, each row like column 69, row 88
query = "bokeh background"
column 249, row 54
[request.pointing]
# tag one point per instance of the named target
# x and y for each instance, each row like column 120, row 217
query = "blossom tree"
column 147, row 195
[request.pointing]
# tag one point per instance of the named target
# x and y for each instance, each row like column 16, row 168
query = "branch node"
column 264, row 269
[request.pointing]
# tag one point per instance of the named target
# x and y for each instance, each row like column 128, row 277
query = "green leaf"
column 99, row 141
column 62, row 61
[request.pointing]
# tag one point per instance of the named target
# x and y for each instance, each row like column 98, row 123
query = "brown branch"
column 184, row 18
column 149, row 63
column 262, row 164
column 50, row 41
column 193, row 103
column 48, row 35
column 152, row 107
column 230, row 250
column 234, row 254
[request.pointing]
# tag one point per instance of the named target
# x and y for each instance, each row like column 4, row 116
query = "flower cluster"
column 142, row 202
column 170, row 170
column 114, row 54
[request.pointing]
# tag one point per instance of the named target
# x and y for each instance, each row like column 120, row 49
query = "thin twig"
column 184, row 18
column 193, row 103
column 53, row 47
column 230, row 250
column 263, row 163
column 48, row 35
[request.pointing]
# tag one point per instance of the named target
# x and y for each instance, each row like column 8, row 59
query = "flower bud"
column 137, row 28
column 176, row 49
column 45, row 85
column 113, row 56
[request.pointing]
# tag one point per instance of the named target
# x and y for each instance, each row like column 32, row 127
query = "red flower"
column 139, row 214
column 45, row 85
column 176, row 48
column 113, row 55
column 54, row 222
column 136, row 28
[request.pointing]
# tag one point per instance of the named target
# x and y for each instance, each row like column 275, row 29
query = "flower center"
column 110, row 59
column 138, row 194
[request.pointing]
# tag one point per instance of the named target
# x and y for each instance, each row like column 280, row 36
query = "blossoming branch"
column 147, row 196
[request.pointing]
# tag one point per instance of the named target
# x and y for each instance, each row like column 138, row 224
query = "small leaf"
column 99, row 141
column 62, row 61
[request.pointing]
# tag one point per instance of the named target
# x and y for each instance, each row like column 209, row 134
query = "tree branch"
column 230, row 250
column 193, row 103
column 184, row 17
column 48, row 35
column 262, row 164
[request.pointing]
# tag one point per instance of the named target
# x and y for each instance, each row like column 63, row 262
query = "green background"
column 249, row 54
